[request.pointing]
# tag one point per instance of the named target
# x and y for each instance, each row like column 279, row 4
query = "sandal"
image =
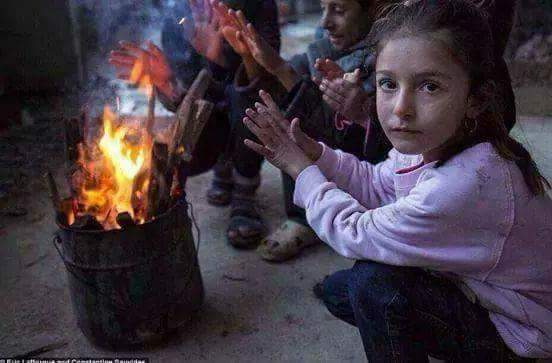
column 287, row 242
column 220, row 192
column 246, row 228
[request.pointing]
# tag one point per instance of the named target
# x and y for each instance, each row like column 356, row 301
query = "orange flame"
column 114, row 174
column 117, row 179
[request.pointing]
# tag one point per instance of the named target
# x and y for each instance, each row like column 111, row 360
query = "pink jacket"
column 473, row 219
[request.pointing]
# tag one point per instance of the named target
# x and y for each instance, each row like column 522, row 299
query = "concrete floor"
column 254, row 311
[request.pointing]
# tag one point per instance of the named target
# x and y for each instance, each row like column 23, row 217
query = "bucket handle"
column 117, row 304
column 57, row 241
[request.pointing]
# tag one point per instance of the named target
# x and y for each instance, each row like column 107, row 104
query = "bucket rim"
column 181, row 201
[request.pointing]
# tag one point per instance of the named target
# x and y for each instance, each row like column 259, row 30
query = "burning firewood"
column 115, row 181
column 176, row 188
column 63, row 209
column 159, row 188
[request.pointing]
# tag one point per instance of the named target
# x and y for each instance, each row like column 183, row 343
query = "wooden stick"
column 53, row 191
column 74, row 139
column 184, row 114
column 159, row 188
column 73, row 136
column 150, row 121
column 202, row 112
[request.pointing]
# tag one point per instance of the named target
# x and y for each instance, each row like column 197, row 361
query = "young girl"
column 453, row 230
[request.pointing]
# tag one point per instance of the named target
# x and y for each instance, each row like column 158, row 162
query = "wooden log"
column 67, row 212
column 159, row 187
column 176, row 188
column 63, row 209
column 184, row 114
column 201, row 112
column 73, row 136
column 53, row 192
column 74, row 140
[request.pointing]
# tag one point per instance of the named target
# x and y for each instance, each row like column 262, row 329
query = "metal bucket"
column 134, row 286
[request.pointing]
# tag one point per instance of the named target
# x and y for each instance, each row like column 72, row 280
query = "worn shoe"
column 246, row 228
column 220, row 192
column 287, row 242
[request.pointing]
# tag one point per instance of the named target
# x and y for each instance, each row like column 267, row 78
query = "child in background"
column 452, row 232
column 346, row 24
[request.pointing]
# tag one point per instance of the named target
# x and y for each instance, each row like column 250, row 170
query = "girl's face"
column 345, row 21
column 422, row 95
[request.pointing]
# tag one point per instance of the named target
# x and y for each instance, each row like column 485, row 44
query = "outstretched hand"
column 328, row 69
column 230, row 28
column 205, row 34
column 260, row 49
column 346, row 96
column 133, row 63
column 284, row 145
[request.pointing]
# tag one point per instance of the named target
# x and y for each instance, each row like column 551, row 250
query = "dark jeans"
column 403, row 314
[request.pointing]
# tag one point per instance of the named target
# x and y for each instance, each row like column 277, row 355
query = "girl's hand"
column 205, row 35
column 328, row 69
column 280, row 139
column 346, row 96
column 309, row 146
column 132, row 63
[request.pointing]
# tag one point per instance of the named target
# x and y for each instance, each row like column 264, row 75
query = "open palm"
column 284, row 145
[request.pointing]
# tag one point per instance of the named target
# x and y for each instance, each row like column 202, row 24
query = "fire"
column 116, row 174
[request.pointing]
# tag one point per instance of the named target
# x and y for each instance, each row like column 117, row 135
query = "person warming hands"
column 284, row 145
column 345, row 95
column 152, row 62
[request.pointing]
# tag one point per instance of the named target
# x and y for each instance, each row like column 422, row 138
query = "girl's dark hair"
column 468, row 35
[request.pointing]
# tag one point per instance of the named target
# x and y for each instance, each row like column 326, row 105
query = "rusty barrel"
column 133, row 286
